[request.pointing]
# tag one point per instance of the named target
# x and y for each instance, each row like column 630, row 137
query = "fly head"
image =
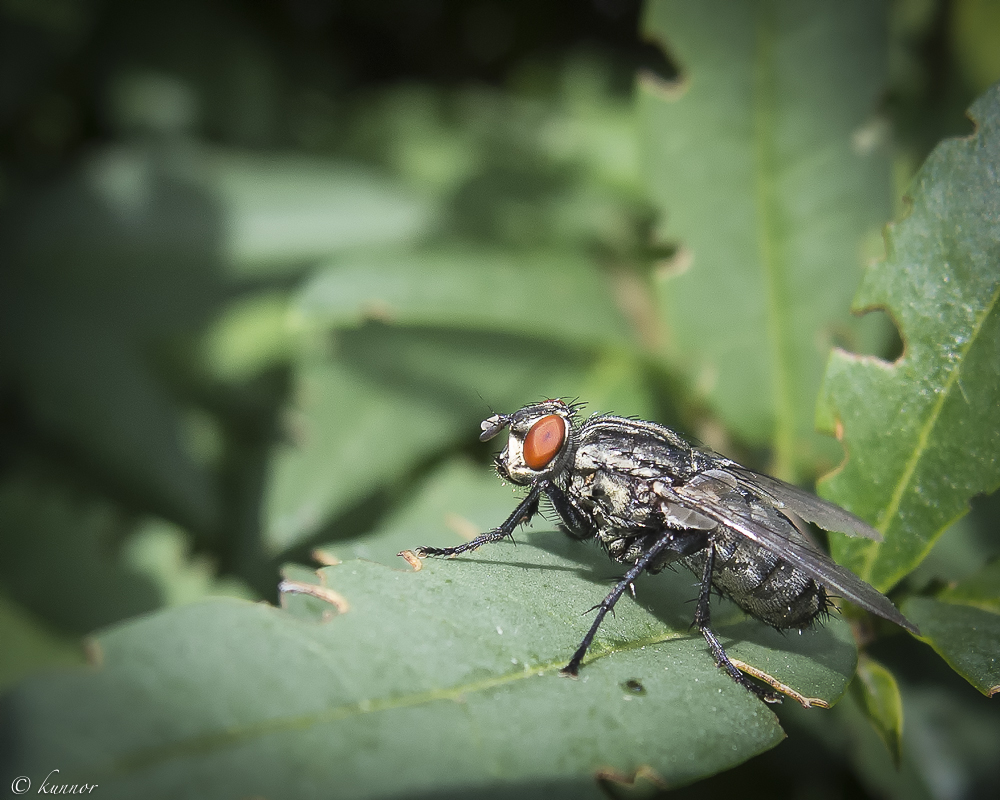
column 540, row 444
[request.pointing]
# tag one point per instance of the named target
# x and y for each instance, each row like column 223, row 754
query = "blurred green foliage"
column 265, row 266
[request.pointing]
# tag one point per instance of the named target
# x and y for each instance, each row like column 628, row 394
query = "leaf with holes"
column 922, row 434
column 769, row 165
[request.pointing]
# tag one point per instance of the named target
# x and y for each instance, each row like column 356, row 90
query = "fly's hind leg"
column 525, row 510
column 702, row 618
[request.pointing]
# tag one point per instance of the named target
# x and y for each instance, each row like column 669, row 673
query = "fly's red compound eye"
column 543, row 441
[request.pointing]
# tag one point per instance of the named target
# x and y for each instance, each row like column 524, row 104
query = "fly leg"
column 525, row 510
column 702, row 618
column 574, row 523
column 608, row 603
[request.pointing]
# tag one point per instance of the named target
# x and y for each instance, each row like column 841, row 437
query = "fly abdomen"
column 761, row 583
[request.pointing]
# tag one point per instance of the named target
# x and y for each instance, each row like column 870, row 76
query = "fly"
column 651, row 498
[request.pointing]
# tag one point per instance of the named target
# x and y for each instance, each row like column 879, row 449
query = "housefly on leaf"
column 652, row 499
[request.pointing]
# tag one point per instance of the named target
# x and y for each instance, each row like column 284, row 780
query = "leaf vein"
column 906, row 477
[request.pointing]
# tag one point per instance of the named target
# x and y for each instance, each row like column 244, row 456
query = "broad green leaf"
column 284, row 210
column 968, row 638
column 922, row 433
column 442, row 679
column 558, row 295
column 878, row 694
column 770, row 170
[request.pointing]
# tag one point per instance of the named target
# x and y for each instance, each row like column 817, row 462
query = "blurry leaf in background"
column 100, row 268
column 30, row 645
column 283, row 212
column 458, row 332
column 59, row 556
column 949, row 744
column 771, row 168
column 975, row 32
column 959, row 552
column 346, row 437
column 159, row 550
column 878, row 694
column 450, row 671
column 555, row 295
column 922, row 433
column 80, row 563
column 146, row 244
column 252, row 334
column 981, row 589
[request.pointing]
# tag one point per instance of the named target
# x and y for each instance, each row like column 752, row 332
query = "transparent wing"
column 828, row 516
column 716, row 494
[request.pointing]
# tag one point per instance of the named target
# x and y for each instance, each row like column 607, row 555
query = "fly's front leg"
column 522, row 515
column 577, row 525
column 702, row 618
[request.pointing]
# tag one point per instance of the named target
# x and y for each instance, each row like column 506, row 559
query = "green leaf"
column 968, row 638
column 281, row 211
column 878, row 694
column 431, row 680
column 141, row 246
column 59, row 556
column 922, row 433
column 770, row 170
column 555, row 295
column 345, row 437
column 981, row 589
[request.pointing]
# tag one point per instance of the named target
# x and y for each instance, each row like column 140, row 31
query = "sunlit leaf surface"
column 922, row 433
column 431, row 680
